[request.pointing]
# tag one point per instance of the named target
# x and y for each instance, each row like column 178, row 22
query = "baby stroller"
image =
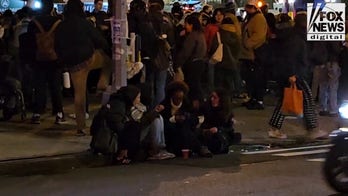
column 11, row 96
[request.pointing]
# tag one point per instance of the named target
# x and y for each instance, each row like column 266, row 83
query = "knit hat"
column 154, row 2
column 252, row 2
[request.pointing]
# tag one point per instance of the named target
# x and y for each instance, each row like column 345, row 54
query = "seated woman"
column 180, row 122
column 135, row 125
column 217, row 130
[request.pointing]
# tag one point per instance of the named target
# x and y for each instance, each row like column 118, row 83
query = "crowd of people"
column 191, row 107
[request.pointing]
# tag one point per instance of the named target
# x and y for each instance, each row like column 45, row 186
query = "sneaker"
column 205, row 152
column 318, row 134
column 73, row 116
column 60, row 118
column 162, row 155
column 80, row 133
column 35, row 119
column 275, row 133
column 255, row 106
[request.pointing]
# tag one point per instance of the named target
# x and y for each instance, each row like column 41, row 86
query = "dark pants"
column 180, row 136
column 129, row 138
column 193, row 73
column 47, row 74
column 253, row 75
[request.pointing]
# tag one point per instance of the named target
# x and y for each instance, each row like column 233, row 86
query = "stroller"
column 11, row 96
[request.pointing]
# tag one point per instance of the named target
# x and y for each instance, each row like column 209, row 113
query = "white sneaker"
column 163, row 154
column 275, row 133
column 73, row 116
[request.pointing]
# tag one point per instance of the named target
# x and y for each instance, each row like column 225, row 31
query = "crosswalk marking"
column 291, row 154
column 288, row 149
column 316, row 160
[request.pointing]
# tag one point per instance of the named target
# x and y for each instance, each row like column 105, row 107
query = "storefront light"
column 37, row 4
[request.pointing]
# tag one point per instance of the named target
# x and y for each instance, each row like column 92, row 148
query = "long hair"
column 194, row 21
column 216, row 11
column 74, row 8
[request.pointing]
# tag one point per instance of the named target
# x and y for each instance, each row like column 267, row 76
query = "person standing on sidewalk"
column 80, row 46
column 46, row 71
column 328, row 85
column 292, row 63
column 254, row 33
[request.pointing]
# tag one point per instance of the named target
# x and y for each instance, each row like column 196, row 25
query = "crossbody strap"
column 218, row 37
column 42, row 30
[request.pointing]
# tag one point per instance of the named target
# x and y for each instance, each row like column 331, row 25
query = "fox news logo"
column 325, row 22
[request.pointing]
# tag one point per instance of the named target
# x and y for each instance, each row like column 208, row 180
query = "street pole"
column 119, row 34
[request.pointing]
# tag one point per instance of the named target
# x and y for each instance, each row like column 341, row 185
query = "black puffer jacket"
column 290, row 54
column 76, row 39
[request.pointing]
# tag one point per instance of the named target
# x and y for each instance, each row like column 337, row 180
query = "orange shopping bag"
column 292, row 101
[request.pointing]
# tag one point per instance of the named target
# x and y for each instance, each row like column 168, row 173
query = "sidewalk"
column 21, row 140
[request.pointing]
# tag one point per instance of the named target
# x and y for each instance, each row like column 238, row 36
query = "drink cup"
column 185, row 153
column 66, row 80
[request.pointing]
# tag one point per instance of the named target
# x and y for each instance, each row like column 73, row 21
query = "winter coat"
column 290, row 53
column 235, row 22
column 231, row 46
column 76, row 39
column 216, row 117
column 194, row 48
column 120, row 113
column 254, row 33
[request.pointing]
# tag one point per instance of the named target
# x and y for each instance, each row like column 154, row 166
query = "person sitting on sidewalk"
column 217, row 129
column 180, row 122
column 136, row 127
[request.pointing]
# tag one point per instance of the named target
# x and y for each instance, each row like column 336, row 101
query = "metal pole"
column 119, row 34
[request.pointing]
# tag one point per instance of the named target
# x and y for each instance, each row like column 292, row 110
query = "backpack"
column 11, row 99
column 104, row 139
column 162, row 59
column 45, row 42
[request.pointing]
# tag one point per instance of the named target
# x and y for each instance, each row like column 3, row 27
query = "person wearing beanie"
column 206, row 14
column 137, row 128
column 177, row 12
column 254, row 34
column 230, row 12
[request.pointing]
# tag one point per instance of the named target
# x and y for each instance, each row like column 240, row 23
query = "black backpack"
column 104, row 139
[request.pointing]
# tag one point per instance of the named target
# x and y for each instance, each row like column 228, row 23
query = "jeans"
column 328, row 87
column 79, row 79
column 157, row 81
column 153, row 136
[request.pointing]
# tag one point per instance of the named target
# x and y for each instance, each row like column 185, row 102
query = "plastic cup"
column 185, row 153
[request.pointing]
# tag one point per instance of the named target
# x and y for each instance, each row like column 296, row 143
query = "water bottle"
column 66, row 80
